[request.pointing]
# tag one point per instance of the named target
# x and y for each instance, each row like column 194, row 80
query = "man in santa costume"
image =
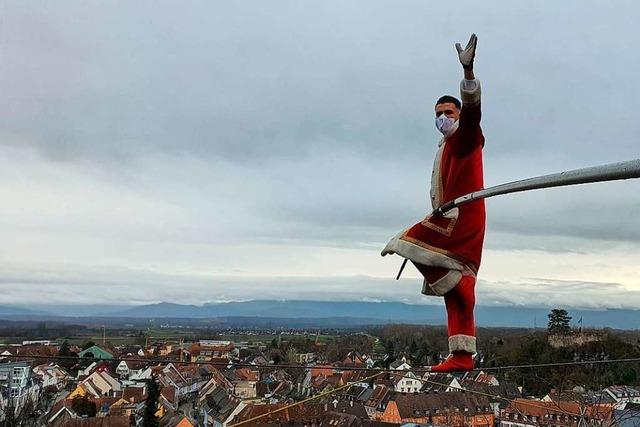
column 446, row 248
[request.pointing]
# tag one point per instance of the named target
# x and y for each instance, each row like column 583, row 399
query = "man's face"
column 449, row 109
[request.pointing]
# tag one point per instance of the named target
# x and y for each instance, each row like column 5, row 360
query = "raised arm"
column 470, row 134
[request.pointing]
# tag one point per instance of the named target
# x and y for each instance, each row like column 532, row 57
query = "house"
column 377, row 402
column 216, row 380
column 141, row 375
column 98, row 384
column 440, row 382
column 257, row 359
column 627, row 417
column 84, row 372
column 169, row 397
column 407, row 382
column 105, row 382
column 52, row 376
column 400, row 364
column 450, row 409
column 63, row 414
column 534, row 413
column 131, row 402
column 623, row 394
column 17, row 384
column 354, row 358
column 218, row 407
column 335, row 413
column 245, row 383
column 208, row 350
column 95, row 352
column 303, row 358
column 170, row 376
column 358, row 378
column 122, row 369
column 131, row 368
column 506, row 390
column 184, row 422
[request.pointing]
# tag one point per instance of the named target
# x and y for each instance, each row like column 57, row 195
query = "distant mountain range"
column 327, row 312
column 20, row 311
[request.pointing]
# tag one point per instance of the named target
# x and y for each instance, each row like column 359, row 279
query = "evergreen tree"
column 413, row 348
column 389, row 347
column 149, row 418
column 559, row 322
column 87, row 345
column 69, row 358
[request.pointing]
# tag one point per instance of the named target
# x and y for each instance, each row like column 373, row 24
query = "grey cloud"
column 291, row 124
column 144, row 286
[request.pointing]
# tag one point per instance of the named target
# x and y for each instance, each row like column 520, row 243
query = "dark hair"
column 448, row 98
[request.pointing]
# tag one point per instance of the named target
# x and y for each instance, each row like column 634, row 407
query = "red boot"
column 456, row 362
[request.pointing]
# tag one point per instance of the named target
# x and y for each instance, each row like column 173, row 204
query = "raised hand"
column 468, row 54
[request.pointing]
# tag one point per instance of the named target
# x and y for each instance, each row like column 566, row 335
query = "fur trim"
column 470, row 97
column 462, row 343
column 446, row 283
column 420, row 255
column 436, row 180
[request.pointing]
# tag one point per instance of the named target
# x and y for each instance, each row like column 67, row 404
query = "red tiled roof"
column 247, row 374
column 136, row 393
column 184, row 422
column 420, row 405
column 298, row 412
column 322, row 370
column 169, row 393
column 379, row 393
column 540, row 408
column 110, row 421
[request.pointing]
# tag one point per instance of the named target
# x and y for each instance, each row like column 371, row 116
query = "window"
column 17, row 372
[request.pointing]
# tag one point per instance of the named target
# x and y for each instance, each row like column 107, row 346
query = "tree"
column 559, row 322
column 87, row 345
column 81, row 405
column 290, row 355
column 149, row 418
column 413, row 348
column 68, row 358
column 389, row 347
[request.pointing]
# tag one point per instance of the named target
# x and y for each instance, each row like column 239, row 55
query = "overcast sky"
column 212, row 151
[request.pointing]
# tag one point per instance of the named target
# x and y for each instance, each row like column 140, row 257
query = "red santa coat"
column 453, row 241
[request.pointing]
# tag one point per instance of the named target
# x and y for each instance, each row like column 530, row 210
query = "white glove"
column 467, row 54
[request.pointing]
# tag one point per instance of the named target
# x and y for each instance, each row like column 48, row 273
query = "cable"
column 344, row 368
column 346, row 386
column 347, row 368
column 308, row 399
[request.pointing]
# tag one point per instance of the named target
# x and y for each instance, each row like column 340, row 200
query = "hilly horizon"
column 367, row 312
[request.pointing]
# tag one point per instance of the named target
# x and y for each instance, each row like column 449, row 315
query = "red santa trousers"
column 460, row 302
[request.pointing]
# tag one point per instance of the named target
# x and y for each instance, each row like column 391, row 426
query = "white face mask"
column 444, row 123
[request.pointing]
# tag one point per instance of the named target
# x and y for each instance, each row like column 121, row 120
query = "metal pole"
column 610, row 172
